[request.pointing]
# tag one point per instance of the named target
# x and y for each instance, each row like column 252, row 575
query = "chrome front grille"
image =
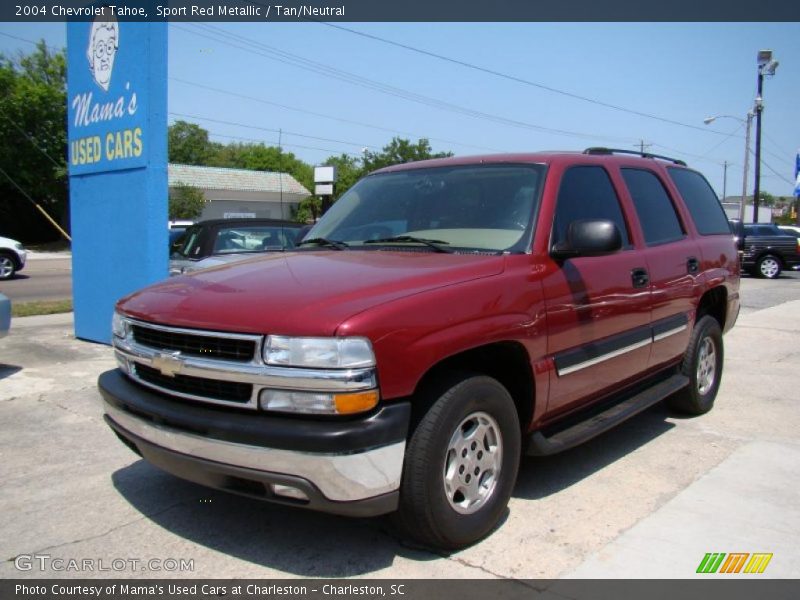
column 213, row 389
column 220, row 367
column 191, row 344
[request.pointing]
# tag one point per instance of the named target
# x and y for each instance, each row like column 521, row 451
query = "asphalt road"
column 41, row 279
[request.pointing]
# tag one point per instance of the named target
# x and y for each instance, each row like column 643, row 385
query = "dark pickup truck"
column 765, row 249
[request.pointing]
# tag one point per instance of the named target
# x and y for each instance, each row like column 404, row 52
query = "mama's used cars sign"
column 107, row 95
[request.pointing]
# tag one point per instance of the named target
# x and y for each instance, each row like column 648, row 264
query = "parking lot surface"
column 648, row 499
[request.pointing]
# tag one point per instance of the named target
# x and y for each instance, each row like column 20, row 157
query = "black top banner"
column 402, row 11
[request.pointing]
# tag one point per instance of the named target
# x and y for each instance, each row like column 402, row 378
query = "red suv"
column 441, row 319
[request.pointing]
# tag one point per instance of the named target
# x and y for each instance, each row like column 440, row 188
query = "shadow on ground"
column 310, row 544
column 8, row 370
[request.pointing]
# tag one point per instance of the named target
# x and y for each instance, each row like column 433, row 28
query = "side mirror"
column 589, row 238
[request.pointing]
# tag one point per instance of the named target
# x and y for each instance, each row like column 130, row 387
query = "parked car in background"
column 5, row 315
column 229, row 237
column 765, row 249
column 12, row 257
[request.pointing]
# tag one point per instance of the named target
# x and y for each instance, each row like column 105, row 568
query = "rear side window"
column 587, row 193
column 656, row 213
column 702, row 202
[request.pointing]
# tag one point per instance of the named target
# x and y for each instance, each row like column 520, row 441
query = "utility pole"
column 766, row 65
column 642, row 146
column 724, row 179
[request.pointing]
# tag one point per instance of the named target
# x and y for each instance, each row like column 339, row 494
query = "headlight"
column 322, row 353
column 119, row 325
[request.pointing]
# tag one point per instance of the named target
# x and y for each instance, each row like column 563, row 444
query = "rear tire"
column 768, row 267
column 461, row 465
column 702, row 364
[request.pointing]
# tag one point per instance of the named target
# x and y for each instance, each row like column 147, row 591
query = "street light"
column 748, row 122
column 766, row 66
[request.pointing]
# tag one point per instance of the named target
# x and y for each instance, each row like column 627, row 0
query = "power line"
column 15, row 37
column 325, row 116
column 255, row 47
column 514, row 78
column 294, row 133
column 261, row 141
column 32, row 141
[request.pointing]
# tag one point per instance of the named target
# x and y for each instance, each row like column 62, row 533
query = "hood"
column 300, row 293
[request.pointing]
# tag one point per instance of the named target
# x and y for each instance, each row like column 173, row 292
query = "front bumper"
column 350, row 467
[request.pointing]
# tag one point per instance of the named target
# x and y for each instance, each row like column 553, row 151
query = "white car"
column 792, row 229
column 12, row 257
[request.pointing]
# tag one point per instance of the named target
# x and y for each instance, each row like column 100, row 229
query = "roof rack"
column 601, row 150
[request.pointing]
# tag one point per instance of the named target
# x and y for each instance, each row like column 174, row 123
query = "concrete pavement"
column 648, row 499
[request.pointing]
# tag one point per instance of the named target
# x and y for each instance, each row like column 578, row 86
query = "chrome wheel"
column 473, row 462
column 6, row 267
column 706, row 366
column 769, row 267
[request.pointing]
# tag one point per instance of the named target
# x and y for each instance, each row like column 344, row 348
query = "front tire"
column 768, row 267
column 702, row 364
column 8, row 266
column 461, row 465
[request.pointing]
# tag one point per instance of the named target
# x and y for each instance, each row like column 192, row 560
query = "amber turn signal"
column 347, row 404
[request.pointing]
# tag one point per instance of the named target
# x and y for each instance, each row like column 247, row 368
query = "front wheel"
column 7, row 266
column 461, row 465
column 702, row 364
column 768, row 267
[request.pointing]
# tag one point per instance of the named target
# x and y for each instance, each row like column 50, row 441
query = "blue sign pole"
column 117, row 130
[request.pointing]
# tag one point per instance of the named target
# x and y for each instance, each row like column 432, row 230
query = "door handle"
column 692, row 265
column 640, row 278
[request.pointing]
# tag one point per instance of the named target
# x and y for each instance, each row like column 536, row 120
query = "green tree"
column 399, row 151
column 188, row 144
column 186, row 202
column 34, row 148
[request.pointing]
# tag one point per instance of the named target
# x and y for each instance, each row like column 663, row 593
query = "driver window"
column 587, row 193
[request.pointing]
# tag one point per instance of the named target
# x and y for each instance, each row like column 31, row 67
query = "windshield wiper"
column 409, row 239
column 320, row 241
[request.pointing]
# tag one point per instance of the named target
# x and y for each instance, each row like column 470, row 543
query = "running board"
column 601, row 422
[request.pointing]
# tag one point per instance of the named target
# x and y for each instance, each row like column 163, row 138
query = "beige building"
column 236, row 193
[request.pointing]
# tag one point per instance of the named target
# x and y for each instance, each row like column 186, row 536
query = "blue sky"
column 679, row 72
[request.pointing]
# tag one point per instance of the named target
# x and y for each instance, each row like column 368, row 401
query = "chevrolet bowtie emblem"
column 169, row 364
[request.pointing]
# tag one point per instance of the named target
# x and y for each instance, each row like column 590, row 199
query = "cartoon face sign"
column 103, row 44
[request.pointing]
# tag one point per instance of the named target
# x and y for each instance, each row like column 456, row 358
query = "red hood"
column 300, row 293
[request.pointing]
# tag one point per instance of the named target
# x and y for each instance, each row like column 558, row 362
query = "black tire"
column 8, row 265
column 698, row 397
column 428, row 514
column 768, row 267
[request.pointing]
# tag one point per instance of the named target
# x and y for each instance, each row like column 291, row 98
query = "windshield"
column 469, row 208
column 254, row 238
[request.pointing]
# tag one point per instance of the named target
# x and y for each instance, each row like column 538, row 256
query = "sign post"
column 117, row 152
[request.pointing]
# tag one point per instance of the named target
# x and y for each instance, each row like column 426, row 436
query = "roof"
column 550, row 157
column 242, row 180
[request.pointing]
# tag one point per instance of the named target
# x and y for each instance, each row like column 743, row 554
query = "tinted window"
column 702, row 202
column 586, row 193
column 656, row 213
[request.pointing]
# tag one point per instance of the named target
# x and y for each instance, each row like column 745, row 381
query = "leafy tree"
column 188, row 144
column 186, row 202
column 33, row 127
column 401, row 150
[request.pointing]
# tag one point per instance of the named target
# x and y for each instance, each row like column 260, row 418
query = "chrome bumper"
column 339, row 477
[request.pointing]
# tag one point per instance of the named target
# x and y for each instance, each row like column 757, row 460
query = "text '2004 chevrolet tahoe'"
column 441, row 319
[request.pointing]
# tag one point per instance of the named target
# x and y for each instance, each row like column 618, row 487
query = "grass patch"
column 40, row 307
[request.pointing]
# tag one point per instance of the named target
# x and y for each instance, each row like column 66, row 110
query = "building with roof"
column 232, row 193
